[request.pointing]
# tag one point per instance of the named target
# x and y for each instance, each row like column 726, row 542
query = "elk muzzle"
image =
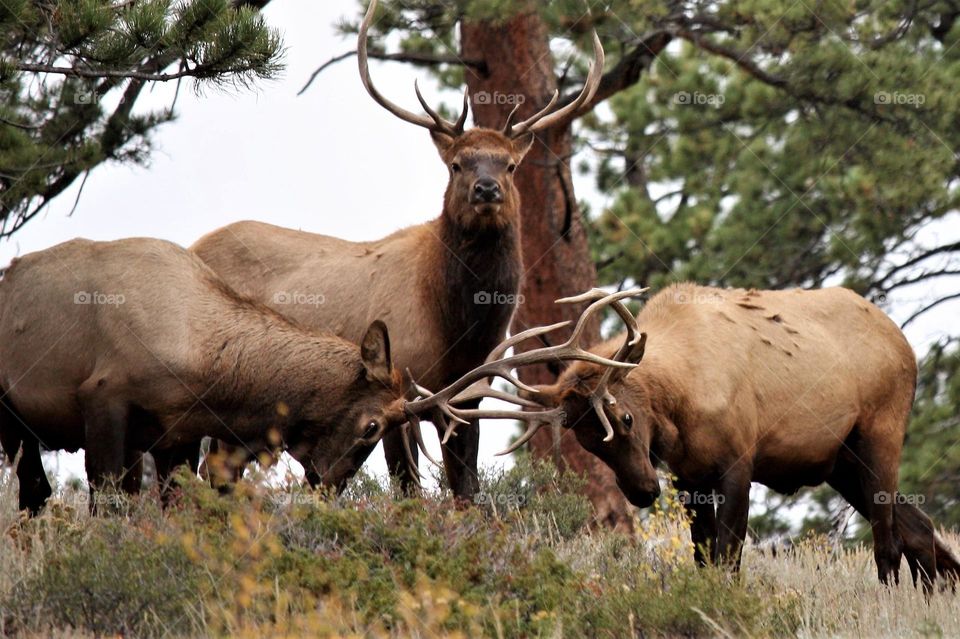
column 642, row 494
column 486, row 191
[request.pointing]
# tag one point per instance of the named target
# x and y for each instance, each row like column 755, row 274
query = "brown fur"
column 421, row 281
column 181, row 356
column 786, row 388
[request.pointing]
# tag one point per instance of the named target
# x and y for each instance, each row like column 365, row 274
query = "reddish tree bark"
column 556, row 256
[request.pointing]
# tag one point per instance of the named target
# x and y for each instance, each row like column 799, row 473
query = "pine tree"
column 71, row 72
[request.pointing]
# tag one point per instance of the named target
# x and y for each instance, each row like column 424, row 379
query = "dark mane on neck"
column 478, row 268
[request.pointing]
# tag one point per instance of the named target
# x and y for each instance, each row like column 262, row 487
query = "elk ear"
column 633, row 356
column 443, row 142
column 375, row 353
column 523, row 144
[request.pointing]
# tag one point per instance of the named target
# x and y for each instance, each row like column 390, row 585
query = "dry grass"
column 371, row 565
column 840, row 596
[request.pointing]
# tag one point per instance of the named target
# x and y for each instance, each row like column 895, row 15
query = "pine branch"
column 419, row 59
column 737, row 57
column 253, row 4
column 946, row 248
column 80, row 72
column 110, row 142
column 930, row 307
column 922, row 277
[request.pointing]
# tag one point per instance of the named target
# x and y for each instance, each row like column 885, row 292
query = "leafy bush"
column 107, row 577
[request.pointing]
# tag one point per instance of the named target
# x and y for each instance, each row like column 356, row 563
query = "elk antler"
column 630, row 351
column 474, row 384
column 435, row 122
column 544, row 119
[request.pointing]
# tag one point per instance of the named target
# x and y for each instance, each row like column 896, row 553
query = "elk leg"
column 105, row 435
column 132, row 480
column 397, row 464
column 702, row 515
column 167, row 461
column 919, row 543
column 460, row 459
column 34, row 487
column 877, row 466
column 846, row 481
column 733, row 508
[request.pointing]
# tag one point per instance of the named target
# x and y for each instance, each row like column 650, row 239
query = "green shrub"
column 539, row 495
column 111, row 579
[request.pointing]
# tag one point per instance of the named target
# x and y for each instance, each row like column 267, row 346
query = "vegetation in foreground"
column 526, row 563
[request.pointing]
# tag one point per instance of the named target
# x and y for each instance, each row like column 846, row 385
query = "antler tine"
column 535, row 419
column 546, row 418
column 412, row 425
column 601, row 299
column 407, row 451
column 522, row 336
column 462, row 120
column 511, row 131
column 597, row 406
column 633, row 329
column 442, row 125
column 482, row 389
column 433, row 123
column 544, row 119
column 508, row 127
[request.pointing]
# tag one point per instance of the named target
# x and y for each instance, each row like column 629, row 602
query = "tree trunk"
column 556, row 256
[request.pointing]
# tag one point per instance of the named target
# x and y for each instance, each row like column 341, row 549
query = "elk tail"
column 947, row 564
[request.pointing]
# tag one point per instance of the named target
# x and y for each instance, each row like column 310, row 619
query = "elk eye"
column 455, row 167
column 628, row 420
column 372, row 429
column 511, row 167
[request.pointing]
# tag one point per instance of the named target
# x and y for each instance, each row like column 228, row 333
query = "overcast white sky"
column 331, row 162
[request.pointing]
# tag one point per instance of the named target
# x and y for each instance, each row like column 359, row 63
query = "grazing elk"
column 786, row 388
column 136, row 345
column 447, row 287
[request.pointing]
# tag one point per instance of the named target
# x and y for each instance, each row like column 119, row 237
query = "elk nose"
column 487, row 190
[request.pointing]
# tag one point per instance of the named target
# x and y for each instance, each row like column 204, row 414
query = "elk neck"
column 478, row 281
column 267, row 368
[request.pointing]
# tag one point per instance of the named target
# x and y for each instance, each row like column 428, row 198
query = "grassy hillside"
column 271, row 562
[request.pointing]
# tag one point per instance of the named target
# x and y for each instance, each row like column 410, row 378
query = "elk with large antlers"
column 447, row 288
column 786, row 388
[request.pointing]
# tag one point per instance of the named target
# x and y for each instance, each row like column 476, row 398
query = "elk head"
column 335, row 437
column 607, row 418
column 482, row 162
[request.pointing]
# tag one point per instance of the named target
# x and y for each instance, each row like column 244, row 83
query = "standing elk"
column 447, row 288
column 785, row 388
column 136, row 345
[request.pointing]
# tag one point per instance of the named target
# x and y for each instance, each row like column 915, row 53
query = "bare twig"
column 420, row 59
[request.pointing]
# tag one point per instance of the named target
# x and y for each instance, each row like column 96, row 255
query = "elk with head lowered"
column 135, row 345
column 786, row 388
column 447, row 288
